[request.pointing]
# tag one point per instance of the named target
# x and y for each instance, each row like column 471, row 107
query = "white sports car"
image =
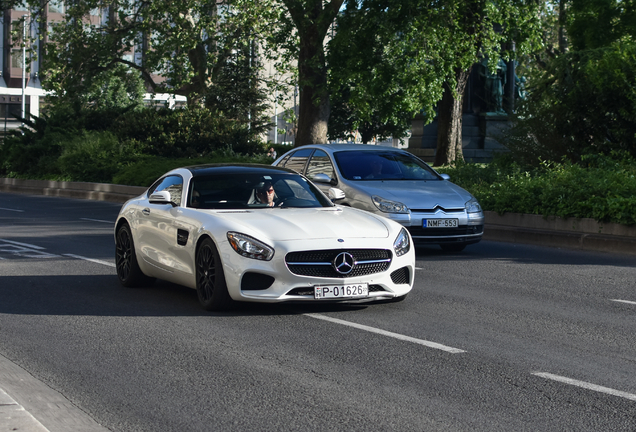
column 259, row 233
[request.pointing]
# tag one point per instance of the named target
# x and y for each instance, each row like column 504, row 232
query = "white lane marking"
column 419, row 268
column 97, row 220
column 13, row 210
column 624, row 301
column 23, row 244
column 23, row 249
column 586, row 385
column 387, row 333
column 106, row 263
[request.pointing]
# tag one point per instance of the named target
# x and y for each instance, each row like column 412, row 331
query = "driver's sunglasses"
column 270, row 190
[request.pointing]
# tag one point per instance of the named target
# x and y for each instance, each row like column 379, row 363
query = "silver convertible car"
column 259, row 233
column 395, row 184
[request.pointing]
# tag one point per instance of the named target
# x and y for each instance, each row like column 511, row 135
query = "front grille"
column 446, row 232
column 438, row 208
column 320, row 263
column 401, row 276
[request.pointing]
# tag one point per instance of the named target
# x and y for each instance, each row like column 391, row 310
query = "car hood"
column 418, row 194
column 283, row 224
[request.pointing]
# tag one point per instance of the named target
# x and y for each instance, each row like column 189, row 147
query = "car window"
column 242, row 191
column 320, row 164
column 298, row 159
column 172, row 184
column 383, row 165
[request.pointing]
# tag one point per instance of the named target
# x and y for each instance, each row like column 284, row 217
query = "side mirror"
column 445, row 176
column 162, row 197
column 322, row 178
column 336, row 194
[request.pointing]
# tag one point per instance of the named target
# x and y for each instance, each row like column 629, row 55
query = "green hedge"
column 600, row 187
column 148, row 169
column 102, row 146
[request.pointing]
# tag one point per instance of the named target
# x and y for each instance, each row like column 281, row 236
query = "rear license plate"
column 439, row 223
column 341, row 291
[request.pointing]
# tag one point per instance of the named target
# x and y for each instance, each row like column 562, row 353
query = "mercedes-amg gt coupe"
column 259, row 233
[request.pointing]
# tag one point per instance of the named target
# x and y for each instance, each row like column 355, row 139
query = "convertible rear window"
column 383, row 165
column 242, row 191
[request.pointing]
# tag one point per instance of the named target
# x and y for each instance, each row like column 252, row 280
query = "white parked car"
column 259, row 233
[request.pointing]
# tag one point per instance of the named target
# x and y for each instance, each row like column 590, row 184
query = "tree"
column 379, row 75
column 309, row 22
column 582, row 99
column 205, row 51
column 469, row 30
column 433, row 46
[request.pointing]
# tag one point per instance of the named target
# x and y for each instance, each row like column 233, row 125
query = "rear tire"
column 211, row 285
column 128, row 271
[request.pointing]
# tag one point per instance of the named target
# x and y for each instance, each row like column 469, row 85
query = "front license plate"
column 439, row 223
column 341, row 291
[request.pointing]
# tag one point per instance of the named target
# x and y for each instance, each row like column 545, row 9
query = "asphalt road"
column 498, row 337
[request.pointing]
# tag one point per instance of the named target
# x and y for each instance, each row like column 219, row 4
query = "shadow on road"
column 102, row 295
column 523, row 253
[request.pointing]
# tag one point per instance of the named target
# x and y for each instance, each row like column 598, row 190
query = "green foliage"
column 184, row 133
column 93, row 145
column 392, row 59
column 204, row 51
column 148, row 169
column 93, row 157
column 600, row 23
column 600, row 187
column 583, row 103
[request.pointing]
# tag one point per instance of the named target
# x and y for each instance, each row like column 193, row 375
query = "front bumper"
column 273, row 281
column 470, row 227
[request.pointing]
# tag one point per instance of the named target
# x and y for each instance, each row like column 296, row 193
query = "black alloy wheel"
column 211, row 285
column 128, row 271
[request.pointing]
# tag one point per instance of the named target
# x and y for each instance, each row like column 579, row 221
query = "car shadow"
column 102, row 295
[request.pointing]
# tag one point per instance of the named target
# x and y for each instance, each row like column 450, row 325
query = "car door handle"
column 146, row 211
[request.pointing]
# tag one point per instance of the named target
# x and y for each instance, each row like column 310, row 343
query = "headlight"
column 402, row 243
column 249, row 247
column 388, row 206
column 473, row 206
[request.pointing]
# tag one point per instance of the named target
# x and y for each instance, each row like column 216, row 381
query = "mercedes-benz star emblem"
column 344, row 263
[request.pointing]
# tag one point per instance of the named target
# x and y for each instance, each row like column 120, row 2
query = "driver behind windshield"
column 265, row 194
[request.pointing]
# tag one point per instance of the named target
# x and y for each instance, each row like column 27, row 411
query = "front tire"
column 128, row 271
column 211, row 285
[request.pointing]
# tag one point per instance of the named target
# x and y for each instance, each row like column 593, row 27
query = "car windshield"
column 243, row 191
column 382, row 165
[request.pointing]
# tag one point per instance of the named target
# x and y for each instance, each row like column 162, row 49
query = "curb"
column 571, row 233
column 79, row 190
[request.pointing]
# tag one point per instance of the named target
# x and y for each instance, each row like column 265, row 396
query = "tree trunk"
column 314, row 108
column 312, row 19
column 449, row 121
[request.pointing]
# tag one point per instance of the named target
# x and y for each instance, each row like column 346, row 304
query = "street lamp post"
column 24, row 23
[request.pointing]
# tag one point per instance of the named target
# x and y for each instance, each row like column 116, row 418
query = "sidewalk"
column 582, row 234
column 21, row 393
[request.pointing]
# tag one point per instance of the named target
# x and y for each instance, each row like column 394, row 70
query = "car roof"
column 230, row 168
column 349, row 147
